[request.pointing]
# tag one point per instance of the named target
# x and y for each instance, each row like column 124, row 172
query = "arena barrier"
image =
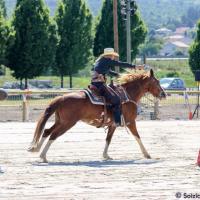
column 28, row 105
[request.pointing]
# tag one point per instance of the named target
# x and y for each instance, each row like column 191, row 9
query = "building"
column 163, row 32
column 174, row 48
column 184, row 39
column 182, row 30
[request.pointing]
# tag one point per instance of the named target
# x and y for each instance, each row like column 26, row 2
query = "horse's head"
column 138, row 84
column 153, row 86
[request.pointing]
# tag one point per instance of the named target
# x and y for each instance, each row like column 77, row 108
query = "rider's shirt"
column 103, row 66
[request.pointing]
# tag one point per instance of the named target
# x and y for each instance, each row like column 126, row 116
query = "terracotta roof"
column 181, row 30
column 176, row 37
column 180, row 44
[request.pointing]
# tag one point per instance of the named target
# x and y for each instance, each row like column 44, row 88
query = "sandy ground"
column 76, row 169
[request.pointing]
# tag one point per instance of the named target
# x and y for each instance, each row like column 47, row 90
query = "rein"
column 128, row 96
column 153, row 101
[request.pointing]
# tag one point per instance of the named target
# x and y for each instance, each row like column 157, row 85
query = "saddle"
column 95, row 98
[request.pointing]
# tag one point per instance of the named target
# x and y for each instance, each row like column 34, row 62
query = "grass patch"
column 178, row 68
column 78, row 82
column 162, row 69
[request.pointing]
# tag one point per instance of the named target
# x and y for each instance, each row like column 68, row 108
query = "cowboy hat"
column 109, row 52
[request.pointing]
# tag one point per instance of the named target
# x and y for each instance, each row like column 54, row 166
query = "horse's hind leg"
column 46, row 133
column 133, row 129
column 58, row 131
column 111, row 130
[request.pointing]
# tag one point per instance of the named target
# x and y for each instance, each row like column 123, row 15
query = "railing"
column 28, row 105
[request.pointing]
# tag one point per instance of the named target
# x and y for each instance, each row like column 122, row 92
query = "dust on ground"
column 76, row 169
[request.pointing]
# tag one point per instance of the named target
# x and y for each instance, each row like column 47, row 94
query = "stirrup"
column 120, row 124
column 117, row 125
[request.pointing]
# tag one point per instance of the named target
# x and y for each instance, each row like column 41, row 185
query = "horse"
column 76, row 106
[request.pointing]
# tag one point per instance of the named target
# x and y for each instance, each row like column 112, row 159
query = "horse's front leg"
column 133, row 129
column 111, row 130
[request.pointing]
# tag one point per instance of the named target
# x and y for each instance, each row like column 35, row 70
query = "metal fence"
column 28, row 105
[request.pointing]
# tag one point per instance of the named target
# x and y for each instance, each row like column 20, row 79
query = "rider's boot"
column 117, row 117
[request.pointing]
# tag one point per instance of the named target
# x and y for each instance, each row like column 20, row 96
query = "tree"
column 4, row 36
column 74, row 22
column 150, row 49
column 2, row 8
column 191, row 16
column 152, row 45
column 33, row 49
column 104, row 31
column 194, row 52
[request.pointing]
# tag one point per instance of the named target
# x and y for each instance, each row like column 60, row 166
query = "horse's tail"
column 42, row 121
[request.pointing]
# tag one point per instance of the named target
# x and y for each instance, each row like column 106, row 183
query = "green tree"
column 194, row 52
column 2, row 8
column 152, row 45
column 150, row 49
column 104, row 31
column 34, row 46
column 4, row 38
column 74, row 22
column 191, row 16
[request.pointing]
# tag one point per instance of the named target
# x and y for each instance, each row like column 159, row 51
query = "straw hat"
column 109, row 52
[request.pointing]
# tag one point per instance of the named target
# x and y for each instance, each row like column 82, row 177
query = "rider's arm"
column 113, row 73
column 120, row 64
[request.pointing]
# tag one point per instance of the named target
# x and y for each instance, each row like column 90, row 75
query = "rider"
column 103, row 66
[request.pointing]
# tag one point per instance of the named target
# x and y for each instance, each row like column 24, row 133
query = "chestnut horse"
column 73, row 107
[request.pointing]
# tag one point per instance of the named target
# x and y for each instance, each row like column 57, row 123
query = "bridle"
column 147, row 90
column 157, row 85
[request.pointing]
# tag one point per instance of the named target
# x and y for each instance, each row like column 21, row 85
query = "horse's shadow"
column 99, row 164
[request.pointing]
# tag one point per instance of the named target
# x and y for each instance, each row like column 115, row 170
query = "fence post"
column 156, row 109
column 25, row 110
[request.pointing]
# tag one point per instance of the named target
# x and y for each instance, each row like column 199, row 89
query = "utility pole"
column 128, row 31
column 115, row 28
column 128, row 9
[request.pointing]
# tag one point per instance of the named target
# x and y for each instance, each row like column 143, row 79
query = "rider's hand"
column 140, row 67
column 117, row 75
column 133, row 67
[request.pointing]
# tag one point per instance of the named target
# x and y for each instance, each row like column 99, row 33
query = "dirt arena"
column 76, row 170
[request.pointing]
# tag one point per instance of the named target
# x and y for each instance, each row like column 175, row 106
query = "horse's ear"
column 151, row 73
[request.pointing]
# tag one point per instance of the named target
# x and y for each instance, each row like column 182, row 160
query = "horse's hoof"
column 148, row 156
column 30, row 149
column 33, row 149
column 43, row 160
column 107, row 158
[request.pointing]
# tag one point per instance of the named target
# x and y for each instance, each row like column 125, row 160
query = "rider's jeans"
column 112, row 98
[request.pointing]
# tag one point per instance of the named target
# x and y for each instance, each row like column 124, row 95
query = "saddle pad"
column 97, row 100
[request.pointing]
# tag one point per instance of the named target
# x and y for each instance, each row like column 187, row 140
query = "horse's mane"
column 130, row 77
